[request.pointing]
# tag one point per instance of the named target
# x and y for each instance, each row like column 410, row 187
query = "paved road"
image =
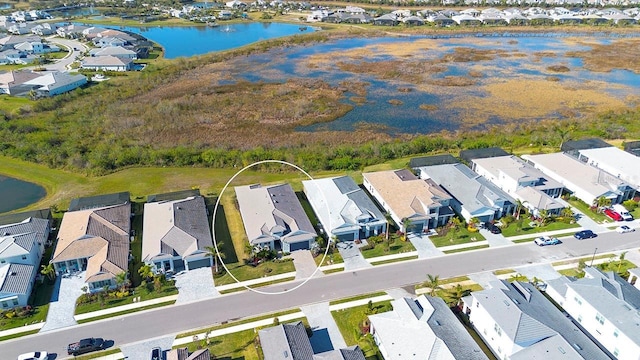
column 178, row 318
column 70, row 44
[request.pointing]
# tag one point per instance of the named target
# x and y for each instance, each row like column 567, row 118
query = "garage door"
column 303, row 245
column 346, row 237
column 197, row 264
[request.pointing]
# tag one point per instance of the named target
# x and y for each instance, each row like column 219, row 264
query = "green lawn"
column 462, row 236
column 333, row 257
column 585, row 209
column 350, row 320
column 11, row 104
column 244, row 272
column 512, row 229
column 148, row 307
column 574, row 272
column 141, row 291
column 396, row 247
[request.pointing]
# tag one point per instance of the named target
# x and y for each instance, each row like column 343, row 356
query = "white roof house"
column 475, row 196
column 517, row 322
column 606, row 306
column 24, row 242
column 422, row 328
column 176, row 235
column 344, row 209
column 273, row 215
column 616, row 162
column 587, row 183
column 405, row 196
column 16, row 283
column 57, row 82
column 522, row 181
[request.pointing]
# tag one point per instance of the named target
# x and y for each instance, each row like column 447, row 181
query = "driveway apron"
column 352, row 256
column 424, row 246
column 326, row 335
column 194, row 285
column 305, row 264
column 142, row 350
column 495, row 239
column 541, row 271
column 63, row 301
column 483, row 278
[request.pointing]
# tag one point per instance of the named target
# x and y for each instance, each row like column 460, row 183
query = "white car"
column 37, row 355
column 545, row 240
column 624, row 229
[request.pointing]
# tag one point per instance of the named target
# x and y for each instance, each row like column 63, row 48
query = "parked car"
column 36, row 355
column 584, row 234
column 546, row 240
column 156, row 354
column 624, row 229
column 613, row 215
column 84, row 346
column 493, row 228
column 624, row 213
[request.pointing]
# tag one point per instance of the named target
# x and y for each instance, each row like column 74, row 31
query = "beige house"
column 95, row 241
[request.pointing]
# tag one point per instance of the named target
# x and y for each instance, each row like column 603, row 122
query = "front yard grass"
column 350, row 320
column 141, row 291
column 461, row 236
column 513, row 230
column 396, row 247
column 333, row 257
column 126, row 312
column 244, row 272
column 586, row 209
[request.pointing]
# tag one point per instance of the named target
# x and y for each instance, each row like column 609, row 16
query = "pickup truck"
column 84, row 346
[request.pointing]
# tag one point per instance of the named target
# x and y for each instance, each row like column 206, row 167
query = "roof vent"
column 578, row 347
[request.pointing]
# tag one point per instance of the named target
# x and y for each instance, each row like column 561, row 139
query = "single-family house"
column 92, row 32
column 107, row 63
column 614, row 161
column 71, row 31
column 605, row 305
column 176, row 235
column 24, row 242
column 422, row 328
column 235, row 4
column 413, row 20
column 344, row 209
column 408, row 199
column 111, row 33
column 13, row 82
column 16, row 283
column 8, row 42
column 517, row 322
column 95, row 241
column 290, row 341
column 225, row 15
column 441, row 20
column 35, row 47
column 274, row 218
column 386, row 20
column 44, row 29
column 474, row 196
column 20, row 28
column 109, row 41
column 57, row 82
column 466, row 20
column 586, row 182
column 117, row 51
column 535, row 190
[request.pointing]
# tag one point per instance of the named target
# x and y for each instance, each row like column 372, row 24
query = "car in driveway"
column 493, row 228
column 624, row 229
column 546, row 240
column 613, row 215
column 35, row 355
column 584, row 234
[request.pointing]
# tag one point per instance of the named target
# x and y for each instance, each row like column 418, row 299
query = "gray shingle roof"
column 26, row 232
column 175, row 195
column 18, row 217
column 286, row 341
column 17, row 278
column 97, row 201
column 286, row 201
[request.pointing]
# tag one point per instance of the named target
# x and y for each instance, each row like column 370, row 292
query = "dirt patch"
column 558, row 68
column 428, row 107
column 453, row 81
column 395, row 102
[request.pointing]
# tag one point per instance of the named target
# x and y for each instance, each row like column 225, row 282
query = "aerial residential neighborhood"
column 470, row 188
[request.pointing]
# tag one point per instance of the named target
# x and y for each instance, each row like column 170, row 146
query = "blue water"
column 197, row 40
column 16, row 194
column 4, row 6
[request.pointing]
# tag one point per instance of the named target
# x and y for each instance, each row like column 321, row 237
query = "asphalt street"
column 175, row 319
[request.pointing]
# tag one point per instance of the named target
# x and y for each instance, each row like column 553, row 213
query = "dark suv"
column 584, row 234
column 493, row 228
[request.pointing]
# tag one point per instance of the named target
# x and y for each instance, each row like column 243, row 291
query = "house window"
column 580, row 318
column 615, row 333
column 577, row 300
column 24, row 257
column 4, row 304
column 616, row 352
column 600, row 318
column 497, row 329
column 15, row 302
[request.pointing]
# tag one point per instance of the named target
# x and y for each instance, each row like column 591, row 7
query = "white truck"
column 626, row 216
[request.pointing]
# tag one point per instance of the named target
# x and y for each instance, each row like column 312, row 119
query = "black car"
column 494, row 229
column 584, row 234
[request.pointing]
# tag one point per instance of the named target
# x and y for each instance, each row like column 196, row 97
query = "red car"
column 613, row 215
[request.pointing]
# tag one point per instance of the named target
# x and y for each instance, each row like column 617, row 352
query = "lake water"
column 16, row 194
column 198, row 40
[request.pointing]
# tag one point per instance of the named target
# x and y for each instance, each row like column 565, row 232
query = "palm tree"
column 49, row 271
column 122, row 280
column 249, row 249
column 146, row 272
column 517, row 277
column 621, row 260
column 519, row 207
column 216, row 254
column 387, row 216
column 433, row 283
column 406, row 224
column 455, row 294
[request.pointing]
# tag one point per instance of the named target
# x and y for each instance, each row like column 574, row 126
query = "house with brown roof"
column 13, row 82
column 95, row 241
column 407, row 197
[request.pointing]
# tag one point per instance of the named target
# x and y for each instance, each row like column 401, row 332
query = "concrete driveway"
column 142, row 350
column 424, row 246
column 63, row 302
column 194, row 285
column 352, row 256
column 541, row 271
column 326, row 335
column 495, row 239
column 305, row 264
